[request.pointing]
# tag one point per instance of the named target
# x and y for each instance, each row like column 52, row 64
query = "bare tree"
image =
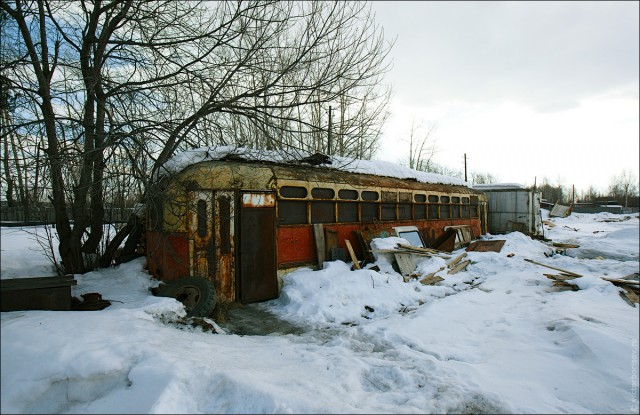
column 139, row 80
column 422, row 146
column 624, row 185
column 482, row 178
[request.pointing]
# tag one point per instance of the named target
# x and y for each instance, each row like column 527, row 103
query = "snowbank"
column 494, row 338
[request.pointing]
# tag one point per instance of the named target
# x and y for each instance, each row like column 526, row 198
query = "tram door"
column 257, row 257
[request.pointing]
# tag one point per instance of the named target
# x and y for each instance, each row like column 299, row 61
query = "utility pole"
column 329, row 135
column 465, row 167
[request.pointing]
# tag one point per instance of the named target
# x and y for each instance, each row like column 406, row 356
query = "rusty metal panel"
column 258, row 276
column 258, row 200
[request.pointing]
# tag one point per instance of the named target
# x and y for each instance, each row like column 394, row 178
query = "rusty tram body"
column 228, row 229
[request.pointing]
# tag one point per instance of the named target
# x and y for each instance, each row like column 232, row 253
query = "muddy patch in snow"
column 255, row 320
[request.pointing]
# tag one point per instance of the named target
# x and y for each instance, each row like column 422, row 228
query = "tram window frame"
column 404, row 211
column 366, row 209
column 325, row 193
column 323, row 211
column 289, row 212
column 420, row 211
column 293, row 192
column 445, row 210
column 420, row 198
column 388, row 211
column 369, row 195
column 347, row 212
column 347, row 194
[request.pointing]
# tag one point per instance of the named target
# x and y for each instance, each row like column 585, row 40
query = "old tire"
column 197, row 294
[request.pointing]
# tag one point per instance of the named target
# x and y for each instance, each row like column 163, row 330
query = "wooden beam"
column 459, row 267
column 352, row 254
column 457, row 259
column 318, row 234
column 557, row 269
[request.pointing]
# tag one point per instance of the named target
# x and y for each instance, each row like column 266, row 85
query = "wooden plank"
column 456, row 260
column 621, row 281
column 563, row 245
column 431, row 279
column 560, row 277
column 330, row 241
column 402, row 251
column 352, row 254
column 557, row 269
column 318, row 234
column 459, row 267
column 441, row 254
column 406, row 263
column 631, row 295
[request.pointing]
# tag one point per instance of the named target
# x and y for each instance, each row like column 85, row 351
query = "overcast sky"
column 525, row 89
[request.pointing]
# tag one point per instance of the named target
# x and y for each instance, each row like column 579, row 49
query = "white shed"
column 512, row 207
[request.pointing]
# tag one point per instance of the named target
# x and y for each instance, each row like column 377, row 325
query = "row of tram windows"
column 368, row 206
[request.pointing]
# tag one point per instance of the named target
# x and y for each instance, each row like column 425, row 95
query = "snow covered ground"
column 496, row 338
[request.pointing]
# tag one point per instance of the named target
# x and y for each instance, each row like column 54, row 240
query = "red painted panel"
column 167, row 255
column 296, row 244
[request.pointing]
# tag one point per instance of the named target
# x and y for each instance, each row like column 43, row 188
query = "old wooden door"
column 258, row 266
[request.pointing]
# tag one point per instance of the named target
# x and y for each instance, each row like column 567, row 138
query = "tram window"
column 474, row 211
column 323, row 212
column 346, row 194
column 465, row 200
column 419, row 211
column 347, row 212
column 369, row 195
column 433, row 199
column 455, row 207
column 292, row 212
column 389, row 196
column 444, row 199
column 369, row 211
column 404, row 197
column 444, row 211
column 420, row 198
column 322, row 193
column 388, row 211
column 224, row 208
column 293, row 191
column 474, row 200
column 202, row 218
column 404, row 211
column 465, row 211
column 433, row 211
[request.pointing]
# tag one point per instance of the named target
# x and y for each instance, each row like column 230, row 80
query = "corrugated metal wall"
column 514, row 210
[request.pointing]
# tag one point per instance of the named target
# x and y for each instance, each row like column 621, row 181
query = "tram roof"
column 372, row 167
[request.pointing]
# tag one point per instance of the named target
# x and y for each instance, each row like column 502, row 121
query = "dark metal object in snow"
column 42, row 293
column 92, row 302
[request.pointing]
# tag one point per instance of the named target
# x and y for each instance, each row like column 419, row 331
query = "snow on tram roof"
column 374, row 167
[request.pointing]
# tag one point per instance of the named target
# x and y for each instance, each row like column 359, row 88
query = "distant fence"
column 610, row 209
column 46, row 215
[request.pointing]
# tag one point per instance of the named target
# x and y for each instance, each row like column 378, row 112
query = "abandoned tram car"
column 226, row 230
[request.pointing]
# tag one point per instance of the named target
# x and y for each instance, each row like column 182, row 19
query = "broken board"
column 406, row 263
column 486, row 246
